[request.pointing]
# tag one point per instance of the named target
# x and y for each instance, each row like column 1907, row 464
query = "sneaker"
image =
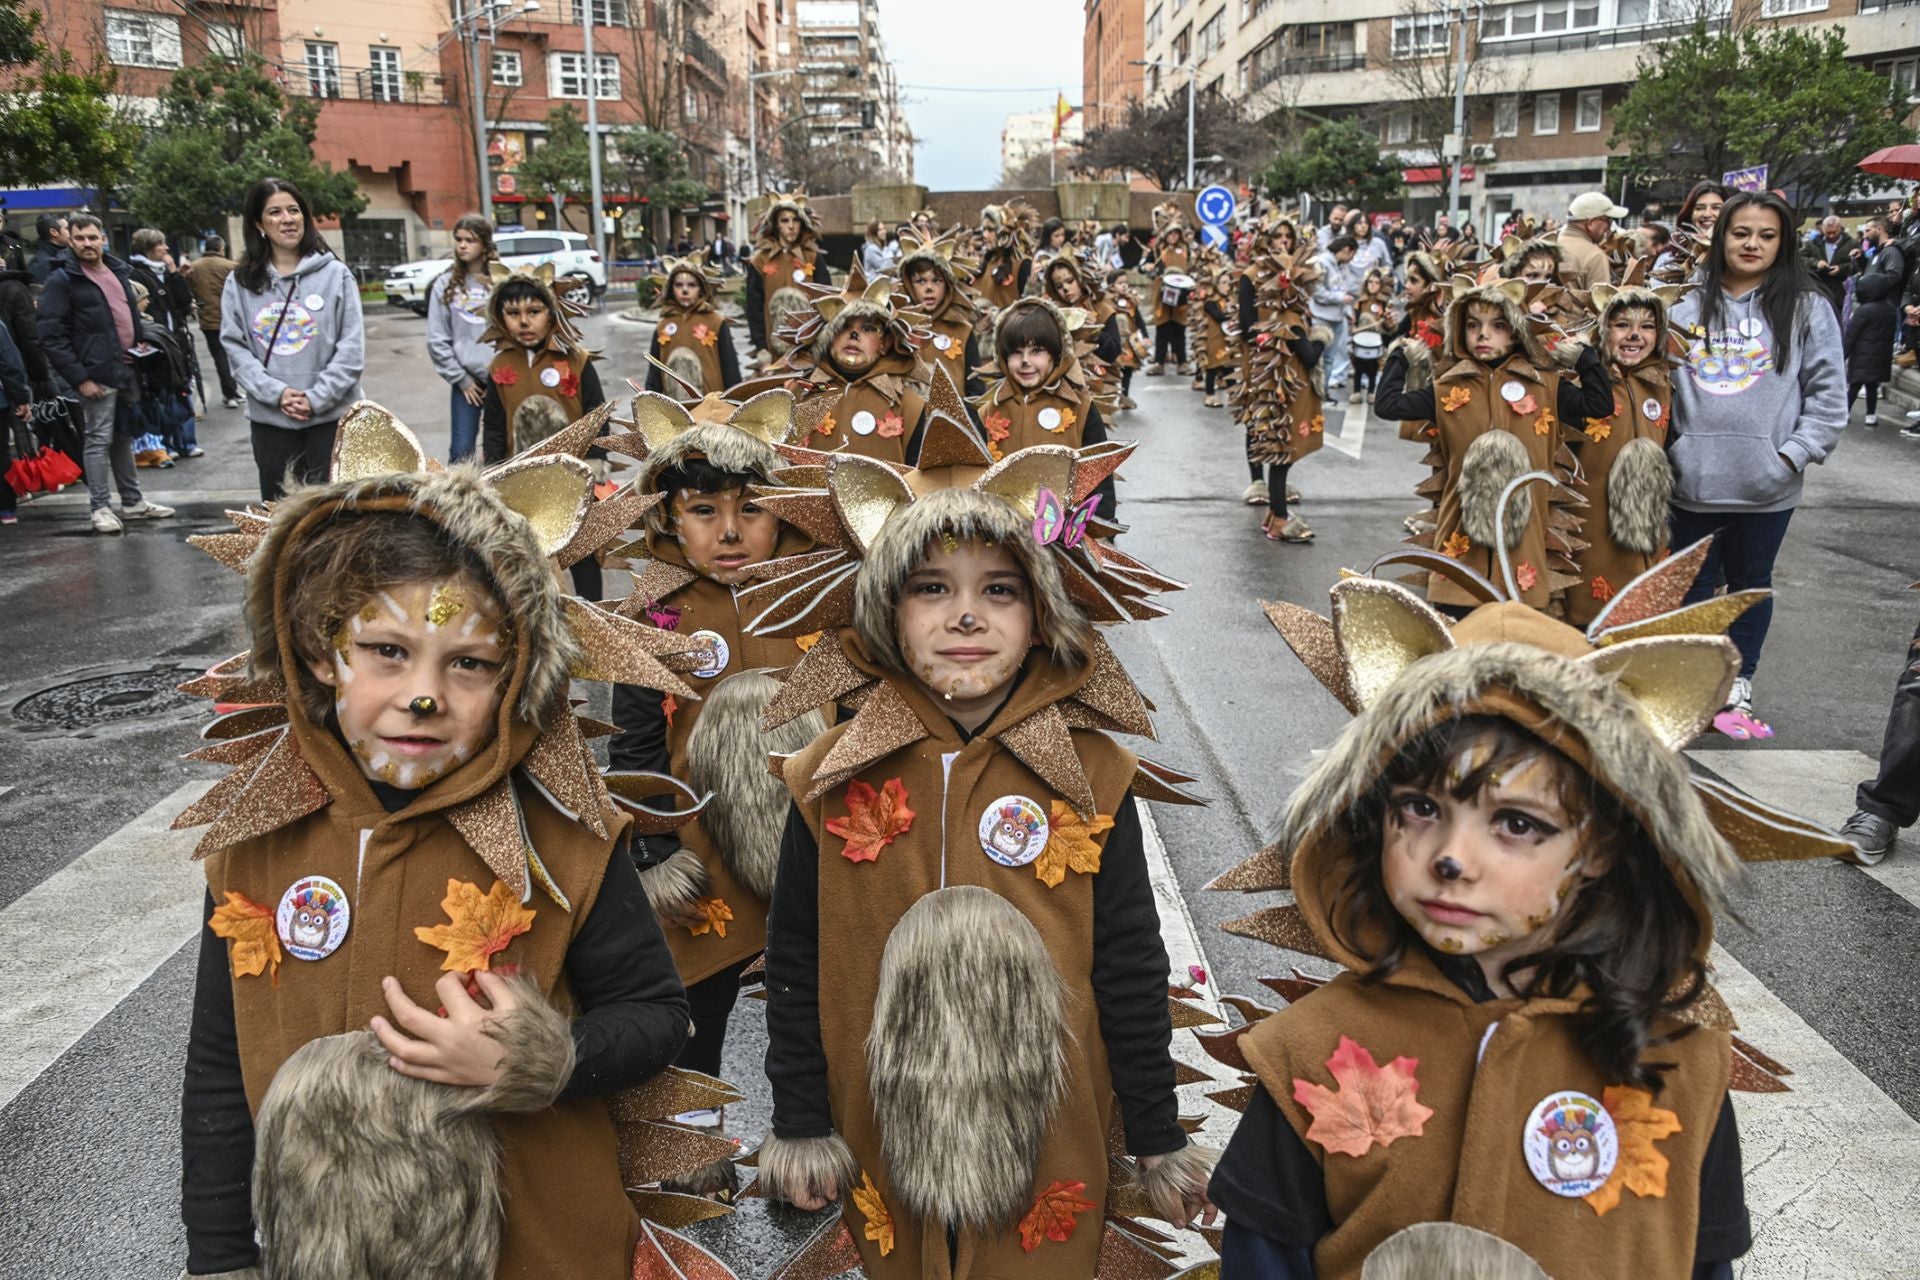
column 1741, row 698
column 1910, row 433
column 1871, row 420
column 1126, row 402
column 104, row 521
column 1293, row 496
column 1354, row 396
column 8, row 517
column 1870, row 835
column 1257, row 494
column 1156, row 370
column 194, row 451
column 233, row 402
column 1913, row 415
column 145, row 510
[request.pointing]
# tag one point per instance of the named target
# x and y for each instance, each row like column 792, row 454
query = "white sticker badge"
column 1049, row 419
column 1512, row 392
column 863, row 423
column 799, row 273
column 1013, row 830
column 1571, row 1144
column 313, row 918
column 549, row 377
column 713, row 651
column 669, row 328
column 1650, row 409
column 941, row 342
column 315, row 302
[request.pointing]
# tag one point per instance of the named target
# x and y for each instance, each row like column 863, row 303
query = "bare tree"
column 1423, row 67
column 1034, row 171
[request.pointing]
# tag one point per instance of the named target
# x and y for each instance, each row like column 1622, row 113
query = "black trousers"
column 1276, row 478
column 1170, row 337
column 1366, row 371
column 303, row 455
column 710, row 1002
column 1895, row 793
column 229, row 390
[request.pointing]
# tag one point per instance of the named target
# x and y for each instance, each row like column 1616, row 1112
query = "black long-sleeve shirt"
column 1129, row 986
column 631, row 1025
column 1576, row 402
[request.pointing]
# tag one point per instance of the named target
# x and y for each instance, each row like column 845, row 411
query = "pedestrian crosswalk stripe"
column 87, row 936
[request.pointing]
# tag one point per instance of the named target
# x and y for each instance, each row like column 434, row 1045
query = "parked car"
column 578, row 272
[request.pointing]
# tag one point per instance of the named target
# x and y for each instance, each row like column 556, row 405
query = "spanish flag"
column 1061, row 113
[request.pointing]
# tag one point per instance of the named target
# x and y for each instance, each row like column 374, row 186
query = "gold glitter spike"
column 544, row 878
column 809, row 510
column 245, row 722
column 1709, row 617
column 631, row 788
column 1283, row 927
column 1186, row 1015
column 663, row 1254
column 651, row 1151
column 594, row 728
column 1127, row 1257
column 1251, row 1011
column 573, row 440
column 1312, row 639
column 822, row 675
column 623, row 651
column 1158, row 783
column 652, row 584
column 828, row 1252
column 234, row 750
column 1186, row 1075
column 1709, row 1009
column 371, row 442
column 1235, row 1099
column 1759, row 832
column 659, row 418
column 819, row 599
column 606, row 520
column 1124, row 1197
column 1659, row 590
column 1095, row 463
column 1111, row 692
column 944, row 396
column 1749, row 1076
column 1266, row 871
column 220, row 797
column 1019, row 477
column 1382, row 629
column 884, row 725
column 490, row 824
column 767, row 416
column 668, row 1094
column 554, row 766
column 1678, row 683
column 228, row 682
column 670, row 1209
column 865, row 495
column 252, row 520
column 551, row 492
column 281, row 790
column 1083, row 584
column 230, row 549
column 1043, row 743
column 1224, row 1047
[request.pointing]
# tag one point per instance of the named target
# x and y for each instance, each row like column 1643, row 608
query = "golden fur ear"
column 1602, row 295
column 830, row 308
column 1679, row 683
column 1461, row 285
column 499, row 272
column 866, row 494
column 544, row 274
column 1382, row 629
column 372, row 442
column 1075, row 318
column 550, row 492
column 659, row 418
column 767, row 416
column 880, row 292
column 1515, row 289
column 1672, row 293
column 1019, row 477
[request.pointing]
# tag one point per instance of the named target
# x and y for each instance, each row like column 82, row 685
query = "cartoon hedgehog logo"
column 313, row 908
column 1014, row 830
column 1573, row 1149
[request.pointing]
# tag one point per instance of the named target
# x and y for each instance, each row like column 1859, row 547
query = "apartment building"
column 849, row 92
column 1112, row 44
column 1030, row 133
column 1543, row 82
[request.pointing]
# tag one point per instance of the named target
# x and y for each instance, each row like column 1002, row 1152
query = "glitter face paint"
column 965, row 624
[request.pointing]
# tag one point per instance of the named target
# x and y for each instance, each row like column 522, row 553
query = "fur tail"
column 1639, row 491
column 727, row 756
column 1447, row 1251
column 1492, row 462
column 793, row 1168
column 966, row 1058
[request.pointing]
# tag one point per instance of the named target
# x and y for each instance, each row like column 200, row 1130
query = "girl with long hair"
column 456, row 321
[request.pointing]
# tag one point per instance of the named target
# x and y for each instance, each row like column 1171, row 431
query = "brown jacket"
column 1054, row 413
column 888, row 396
column 207, row 276
column 699, row 333
column 1585, row 263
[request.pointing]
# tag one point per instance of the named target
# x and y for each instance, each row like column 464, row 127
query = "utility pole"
column 1459, row 134
column 470, row 28
column 593, row 131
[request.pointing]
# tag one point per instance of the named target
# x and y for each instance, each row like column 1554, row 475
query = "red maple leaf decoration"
column 891, row 426
column 1372, row 1105
column 873, row 819
column 999, row 426
column 504, row 377
column 569, row 384
column 1602, row 589
column 1425, row 331
column 1053, row 1214
column 1525, row 575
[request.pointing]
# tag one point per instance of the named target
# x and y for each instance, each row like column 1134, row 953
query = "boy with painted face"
column 691, row 337
column 1042, row 394
column 950, row 1066
column 1071, row 284
column 709, row 881
column 939, row 295
column 1133, row 341
column 542, row 377
column 786, row 257
column 1500, row 407
column 425, row 934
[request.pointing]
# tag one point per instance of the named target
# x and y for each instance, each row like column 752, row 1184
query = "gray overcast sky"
column 977, row 44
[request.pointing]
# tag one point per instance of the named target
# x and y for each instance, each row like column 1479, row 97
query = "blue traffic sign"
column 1214, row 206
column 1212, row 236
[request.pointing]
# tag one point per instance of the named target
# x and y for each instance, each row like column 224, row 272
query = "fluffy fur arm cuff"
column 674, row 885
column 538, row 1039
column 806, row 1167
column 1172, row 1181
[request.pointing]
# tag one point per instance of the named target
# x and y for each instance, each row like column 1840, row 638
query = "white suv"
column 578, row 271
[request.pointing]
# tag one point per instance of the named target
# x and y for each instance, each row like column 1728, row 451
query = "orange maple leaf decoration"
column 1318, row 425
column 1602, row 589
column 707, row 337
column 1525, row 575
column 826, row 428
column 717, row 913
column 873, row 818
column 1070, row 845
column 1640, row 1169
column 806, row 642
column 1543, row 423
column 1373, row 1106
column 254, row 933
column 668, row 705
column 482, row 924
column 891, row 426
column 1456, row 545
column 1526, row 404
column 1067, row 418
column 866, row 1198
column 998, row 426
column 1456, row 399
column 955, row 350
column 1600, row 428
column 1053, row 1214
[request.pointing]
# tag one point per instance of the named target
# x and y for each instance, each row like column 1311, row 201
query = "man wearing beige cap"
column 1589, row 222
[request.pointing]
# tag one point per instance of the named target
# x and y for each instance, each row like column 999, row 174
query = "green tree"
column 57, row 120
column 222, row 126
column 1338, row 160
column 1785, row 97
column 562, row 165
column 652, row 163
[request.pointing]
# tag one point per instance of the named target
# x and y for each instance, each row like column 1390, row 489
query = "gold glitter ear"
column 659, row 419
column 499, row 272
column 551, row 493
column 372, row 442
column 1019, row 478
column 1382, row 629
column 865, row 494
column 1678, row 683
column 767, row 416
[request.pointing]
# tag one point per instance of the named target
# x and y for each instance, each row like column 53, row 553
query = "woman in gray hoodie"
column 1761, row 395
column 290, row 322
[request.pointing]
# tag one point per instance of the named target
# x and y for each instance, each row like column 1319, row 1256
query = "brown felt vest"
column 1018, row 413
column 863, row 396
column 1468, row 1165
column 526, row 384
column 698, row 331
column 1000, row 290
column 780, row 269
column 1604, row 558
column 955, row 325
column 860, row 902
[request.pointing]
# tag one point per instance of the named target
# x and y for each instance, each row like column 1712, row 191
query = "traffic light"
column 866, row 114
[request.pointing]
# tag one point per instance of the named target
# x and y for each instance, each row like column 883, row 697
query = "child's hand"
column 688, row 917
column 829, row 1195
column 1192, row 1201
column 455, row 1049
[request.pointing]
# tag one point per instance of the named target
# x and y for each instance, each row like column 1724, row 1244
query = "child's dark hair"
column 1629, row 935
column 1028, row 326
column 700, row 476
column 519, row 289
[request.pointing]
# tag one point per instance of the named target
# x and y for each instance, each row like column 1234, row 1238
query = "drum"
column 1174, row 288
column 1366, row 345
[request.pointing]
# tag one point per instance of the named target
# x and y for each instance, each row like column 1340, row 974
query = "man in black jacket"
column 52, row 249
column 88, row 321
column 1830, row 259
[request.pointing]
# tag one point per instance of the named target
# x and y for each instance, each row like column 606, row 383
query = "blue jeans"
column 1336, row 357
column 1745, row 546
column 466, row 428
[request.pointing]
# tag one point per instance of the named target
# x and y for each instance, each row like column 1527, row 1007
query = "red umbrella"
column 1895, row 162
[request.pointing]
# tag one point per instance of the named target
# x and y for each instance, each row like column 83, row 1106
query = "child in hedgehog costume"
column 542, row 377
column 933, row 275
column 1279, row 403
column 1040, row 392
column 1513, row 861
column 691, row 338
column 786, row 256
column 1500, row 407
column 710, row 880
column 1006, row 259
column 966, row 984
column 414, row 820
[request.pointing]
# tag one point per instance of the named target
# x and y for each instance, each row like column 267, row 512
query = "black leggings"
column 303, row 454
column 1170, row 338
column 710, row 1002
column 1276, row 477
column 1216, row 374
column 1367, row 371
column 1126, row 382
column 1873, row 394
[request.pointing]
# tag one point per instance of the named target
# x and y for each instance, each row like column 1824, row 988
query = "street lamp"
column 593, row 131
column 466, row 23
column 1458, row 138
column 1193, row 74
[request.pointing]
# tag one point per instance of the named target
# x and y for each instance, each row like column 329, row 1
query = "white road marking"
column 1353, row 430
column 84, row 938
column 4, row 790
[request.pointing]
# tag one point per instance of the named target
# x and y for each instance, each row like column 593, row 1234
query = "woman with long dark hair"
column 290, row 321
column 1701, row 209
column 1761, row 396
column 456, row 319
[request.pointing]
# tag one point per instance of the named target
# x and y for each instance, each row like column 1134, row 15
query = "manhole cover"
column 97, row 700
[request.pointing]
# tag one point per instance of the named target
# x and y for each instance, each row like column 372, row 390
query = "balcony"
column 1600, row 38
column 706, row 57
column 367, row 84
column 1305, row 65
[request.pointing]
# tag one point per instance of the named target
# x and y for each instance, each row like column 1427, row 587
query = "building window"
column 567, row 76
column 383, row 73
column 142, row 39
column 323, row 69
column 1546, row 113
column 1399, row 126
column 1153, row 81
column 226, row 40
column 606, row 13
column 1156, row 22
column 1545, row 17
column 1251, row 9
column 690, row 107
column 1420, row 35
column 1506, row 117
column 1246, row 74
column 1904, row 72
column 1212, row 33
column 1781, row 8
column 1586, row 111
column 506, row 68
column 1182, row 44
column 1178, row 5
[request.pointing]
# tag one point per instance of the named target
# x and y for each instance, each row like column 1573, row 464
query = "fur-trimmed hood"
column 1091, row 290
column 1611, row 301
column 959, row 302
column 1507, row 296
column 894, row 328
column 726, row 447
column 1514, row 263
column 766, row 237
